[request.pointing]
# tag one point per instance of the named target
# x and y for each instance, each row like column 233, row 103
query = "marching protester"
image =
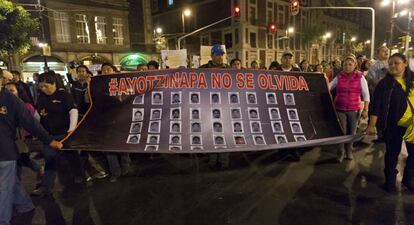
column 153, row 65
column 379, row 69
column 79, row 92
column 349, row 86
column 14, row 114
column 217, row 58
column 360, row 59
column 274, row 65
column 119, row 163
column 24, row 138
column 254, row 65
column 391, row 113
column 17, row 78
column 236, row 64
column 142, row 67
column 59, row 116
column 287, row 62
column 217, row 160
column 304, row 66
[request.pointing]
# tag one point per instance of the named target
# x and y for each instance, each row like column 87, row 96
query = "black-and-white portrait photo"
column 274, row 113
column 196, row 139
column 292, row 114
column 219, row 140
column 280, row 139
column 151, row 148
column 153, row 139
column 175, row 139
column 218, row 127
column 137, row 114
column 194, row 97
column 251, row 97
column 253, row 113
column 234, row 98
column 215, row 98
column 175, row 126
column 195, row 127
column 299, row 138
column 238, row 127
column 175, row 113
column 289, row 99
column 139, row 99
column 136, row 127
column 236, row 113
column 156, row 114
column 255, row 127
column 271, row 98
column 296, row 128
column 216, row 113
column 175, row 97
column 133, row 138
column 195, row 113
column 277, row 127
column 157, row 98
column 259, row 140
column 154, row 127
column 239, row 140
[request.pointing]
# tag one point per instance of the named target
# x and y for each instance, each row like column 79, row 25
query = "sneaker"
column 41, row 191
column 101, row 175
column 113, row 179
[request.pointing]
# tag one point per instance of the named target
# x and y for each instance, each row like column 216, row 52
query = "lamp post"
column 326, row 36
column 185, row 13
column 43, row 47
column 288, row 31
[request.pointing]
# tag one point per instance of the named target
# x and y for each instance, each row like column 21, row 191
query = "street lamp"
column 353, row 39
column 43, row 46
column 185, row 13
column 158, row 30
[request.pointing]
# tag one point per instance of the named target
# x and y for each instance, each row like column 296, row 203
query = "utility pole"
column 43, row 38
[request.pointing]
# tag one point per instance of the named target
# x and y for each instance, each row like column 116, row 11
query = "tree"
column 16, row 24
column 311, row 34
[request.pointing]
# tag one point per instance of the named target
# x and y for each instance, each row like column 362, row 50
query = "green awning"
column 131, row 61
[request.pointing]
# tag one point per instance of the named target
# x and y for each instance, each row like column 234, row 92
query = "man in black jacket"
column 13, row 114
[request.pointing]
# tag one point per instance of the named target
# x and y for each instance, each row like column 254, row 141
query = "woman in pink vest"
column 350, row 85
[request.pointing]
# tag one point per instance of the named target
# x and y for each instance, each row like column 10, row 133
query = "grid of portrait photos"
column 243, row 109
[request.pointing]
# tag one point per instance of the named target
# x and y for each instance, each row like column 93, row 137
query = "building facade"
column 247, row 37
column 88, row 32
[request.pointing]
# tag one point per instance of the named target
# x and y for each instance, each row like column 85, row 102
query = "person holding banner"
column 13, row 114
column 392, row 114
column 220, row 160
column 118, row 162
column 59, row 116
column 350, row 84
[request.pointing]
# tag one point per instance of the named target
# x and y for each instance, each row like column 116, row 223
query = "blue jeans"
column 50, row 155
column 11, row 193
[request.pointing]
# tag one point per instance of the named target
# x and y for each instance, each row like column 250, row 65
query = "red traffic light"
column 237, row 11
column 272, row 27
column 294, row 7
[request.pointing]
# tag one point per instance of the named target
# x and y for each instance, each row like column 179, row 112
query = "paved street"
column 259, row 189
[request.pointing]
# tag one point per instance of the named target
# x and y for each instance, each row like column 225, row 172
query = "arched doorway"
column 93, row 62
column 36, row 63
column 130, row 62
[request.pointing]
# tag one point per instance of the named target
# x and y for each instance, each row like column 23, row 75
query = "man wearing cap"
column 221, row 160
column 287, row 62
column 13, row 114
column 217, row 58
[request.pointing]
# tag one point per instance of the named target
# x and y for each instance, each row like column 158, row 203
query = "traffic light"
column 294, row 7
column 272, row 27
column 237, row 11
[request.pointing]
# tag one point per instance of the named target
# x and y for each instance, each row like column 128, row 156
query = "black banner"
column 207, row 110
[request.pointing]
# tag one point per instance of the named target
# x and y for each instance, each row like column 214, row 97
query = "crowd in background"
column 58, row 107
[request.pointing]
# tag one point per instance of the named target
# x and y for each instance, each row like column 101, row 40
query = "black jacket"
column 210, row 64
column 13, row 114
column 79, row 91
column 389, row 104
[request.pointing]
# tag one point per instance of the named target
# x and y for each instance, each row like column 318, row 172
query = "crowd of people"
column 49, row 110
